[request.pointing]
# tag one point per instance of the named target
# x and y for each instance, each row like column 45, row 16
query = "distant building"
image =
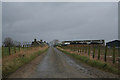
column 85, row 42
column 115, row 43
column 38, row 43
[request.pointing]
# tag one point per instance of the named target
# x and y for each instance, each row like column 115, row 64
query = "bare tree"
column 8, row 42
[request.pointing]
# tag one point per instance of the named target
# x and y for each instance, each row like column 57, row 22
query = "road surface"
column 55, row 64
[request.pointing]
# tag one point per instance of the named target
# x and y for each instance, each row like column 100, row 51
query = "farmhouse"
column 115, row 43
column 38, row 43
column 85, row 42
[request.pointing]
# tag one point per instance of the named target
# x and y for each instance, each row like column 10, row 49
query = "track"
column 55, row 64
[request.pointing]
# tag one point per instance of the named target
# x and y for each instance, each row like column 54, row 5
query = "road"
column 55, row 64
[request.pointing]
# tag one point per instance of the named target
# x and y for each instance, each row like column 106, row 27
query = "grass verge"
column 14, row 64
column 94, row 63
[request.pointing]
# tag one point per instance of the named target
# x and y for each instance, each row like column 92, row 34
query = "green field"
column 5, row 50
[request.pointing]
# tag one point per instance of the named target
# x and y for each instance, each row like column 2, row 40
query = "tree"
column 8, row 42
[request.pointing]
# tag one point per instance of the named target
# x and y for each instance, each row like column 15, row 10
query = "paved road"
column 55, row 64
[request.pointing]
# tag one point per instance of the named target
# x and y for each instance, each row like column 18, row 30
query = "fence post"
column 9, row 50
column 99, row 53
column 14, row 49
column 113, row 54
column 85, row 50
column 23, row 47
column 105, row 53
column 82, row 49
column 78, row 49
column 94, row 52
column 89, row 51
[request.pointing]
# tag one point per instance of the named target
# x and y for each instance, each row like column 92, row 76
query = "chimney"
column 35, row 40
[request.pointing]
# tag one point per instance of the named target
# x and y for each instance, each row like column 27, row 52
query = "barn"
column 115, row 43
column 85, row 42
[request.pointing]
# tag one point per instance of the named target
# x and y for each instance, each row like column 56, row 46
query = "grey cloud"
column 64, row 21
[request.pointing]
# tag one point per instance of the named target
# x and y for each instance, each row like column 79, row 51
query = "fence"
column 103, row 53
column 6, row 51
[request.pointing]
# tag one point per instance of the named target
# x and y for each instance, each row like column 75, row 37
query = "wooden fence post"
column 14, row 49
column 93, row 52
column 85, row 49
column 9, row 50
column 78, row 49
column 74, row 47
column 105, row 53
column 99, row 53
column 23, row 47
column 82, row 49
column 89, row 51
column 113, row 54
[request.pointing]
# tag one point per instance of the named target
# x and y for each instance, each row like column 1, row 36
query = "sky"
column 24, row 21
column 60, row 0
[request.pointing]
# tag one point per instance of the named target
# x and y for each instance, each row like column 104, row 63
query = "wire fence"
column 97, row 52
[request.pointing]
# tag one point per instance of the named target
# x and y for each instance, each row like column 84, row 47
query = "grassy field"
column 13, row 62
column 94, row 63
column 5, row 50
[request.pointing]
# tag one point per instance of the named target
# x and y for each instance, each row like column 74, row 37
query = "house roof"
column 115, row 41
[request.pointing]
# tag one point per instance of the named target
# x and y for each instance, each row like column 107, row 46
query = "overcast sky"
column 63, row 21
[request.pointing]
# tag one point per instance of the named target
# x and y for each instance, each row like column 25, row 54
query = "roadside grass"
column 102, row 50
column 94, row 63
column 12, row 65
column 5, row 50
